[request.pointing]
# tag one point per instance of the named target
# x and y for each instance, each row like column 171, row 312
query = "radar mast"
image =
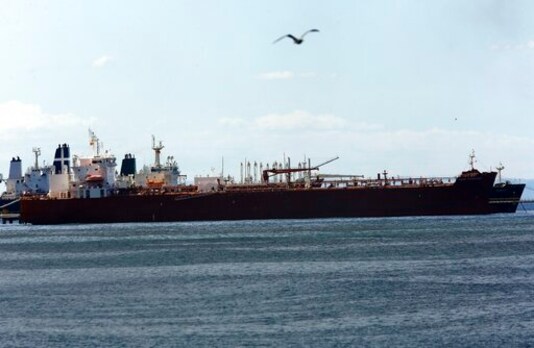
column 37, row 153
column 157, row 152
column 472, row 159
column 499, row 170
column 94, row 142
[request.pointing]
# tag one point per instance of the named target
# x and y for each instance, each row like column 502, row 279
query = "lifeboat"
column 154, row 184
column 94, row 178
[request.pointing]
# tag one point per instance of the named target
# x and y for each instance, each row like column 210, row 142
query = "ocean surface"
column 392, row 282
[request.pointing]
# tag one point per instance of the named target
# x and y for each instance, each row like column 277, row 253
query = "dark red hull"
column 467, row 196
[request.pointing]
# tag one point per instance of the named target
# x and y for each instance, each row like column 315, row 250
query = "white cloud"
column 298, row 120
column 509, row 46
column 232, row 122
column 363, row 148
column 17, row 116
column 24, row 125
column 368, row 148
column 102, row 61
column 277, row 75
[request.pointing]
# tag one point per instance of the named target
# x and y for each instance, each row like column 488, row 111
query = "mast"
column 499, row 170
column 472, row 159
column 94, row 142
column 157, row 152
column 37, row 152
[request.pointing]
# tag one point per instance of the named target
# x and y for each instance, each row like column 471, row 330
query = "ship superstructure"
column 161, row 175
column 96, row 176
column 93, row 176
column 35, row 181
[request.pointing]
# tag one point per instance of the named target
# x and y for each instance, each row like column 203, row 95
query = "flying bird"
column 297, row 40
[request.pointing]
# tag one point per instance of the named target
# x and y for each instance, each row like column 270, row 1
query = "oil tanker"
column 87, row 190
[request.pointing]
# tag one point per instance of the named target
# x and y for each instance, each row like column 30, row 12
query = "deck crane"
column 267, row 173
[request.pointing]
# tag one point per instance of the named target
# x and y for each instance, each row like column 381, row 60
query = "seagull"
column 297, row 40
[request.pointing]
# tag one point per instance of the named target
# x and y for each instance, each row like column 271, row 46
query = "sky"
column 411, row 87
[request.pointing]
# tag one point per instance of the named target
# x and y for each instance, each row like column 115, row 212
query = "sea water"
column 385, row 282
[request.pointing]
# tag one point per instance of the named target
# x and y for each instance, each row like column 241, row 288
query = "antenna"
column 94, row 142
column 472, row 159
column 499, row 169
column 157, row 149
column 37, row 152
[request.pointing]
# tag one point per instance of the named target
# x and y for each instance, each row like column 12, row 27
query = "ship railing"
column 506, row 200
column 346, row 182
column 166, row 190
column 257, row 187
column 9, row 204
column 383, row 182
